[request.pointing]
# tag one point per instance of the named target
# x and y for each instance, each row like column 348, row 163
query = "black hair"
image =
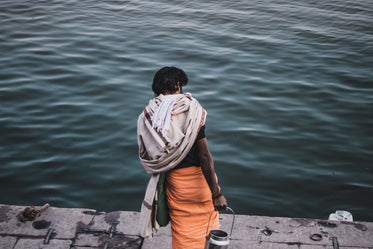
column 167, row 80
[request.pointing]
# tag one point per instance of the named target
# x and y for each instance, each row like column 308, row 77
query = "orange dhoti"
column 190, row 205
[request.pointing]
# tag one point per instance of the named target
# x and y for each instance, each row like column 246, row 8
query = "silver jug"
column 218, row 239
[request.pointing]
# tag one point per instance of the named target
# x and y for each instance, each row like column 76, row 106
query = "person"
column 171, row 138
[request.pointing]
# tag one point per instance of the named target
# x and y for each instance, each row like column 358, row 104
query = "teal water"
column 287, row 86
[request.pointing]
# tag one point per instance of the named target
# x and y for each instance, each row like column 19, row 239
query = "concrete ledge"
column 86, row 228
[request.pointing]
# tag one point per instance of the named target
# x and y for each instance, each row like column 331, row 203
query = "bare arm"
column 207, row 164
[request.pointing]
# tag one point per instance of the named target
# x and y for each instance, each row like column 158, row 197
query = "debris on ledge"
column 73, row 228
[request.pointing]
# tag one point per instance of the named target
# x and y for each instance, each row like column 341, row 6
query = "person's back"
column 172, row 140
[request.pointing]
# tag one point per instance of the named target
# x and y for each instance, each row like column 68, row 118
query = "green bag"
column 163, row 216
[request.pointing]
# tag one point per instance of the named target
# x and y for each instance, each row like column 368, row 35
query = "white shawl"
column 164, row 145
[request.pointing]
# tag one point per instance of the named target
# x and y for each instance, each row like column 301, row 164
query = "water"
column 287, row 86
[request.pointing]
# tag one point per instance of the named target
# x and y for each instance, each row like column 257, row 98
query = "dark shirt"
column 192, row 158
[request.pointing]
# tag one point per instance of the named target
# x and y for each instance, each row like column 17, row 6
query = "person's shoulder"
column 193, row 99
column 190, row 97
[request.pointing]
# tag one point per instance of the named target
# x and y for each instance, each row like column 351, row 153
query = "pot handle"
column 234, row 216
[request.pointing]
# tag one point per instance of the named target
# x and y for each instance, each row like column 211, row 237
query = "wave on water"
column 287, row 87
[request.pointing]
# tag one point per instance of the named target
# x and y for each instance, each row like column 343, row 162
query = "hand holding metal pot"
column 220, row 203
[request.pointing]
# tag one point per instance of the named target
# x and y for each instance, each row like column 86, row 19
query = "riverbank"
column 73, row 228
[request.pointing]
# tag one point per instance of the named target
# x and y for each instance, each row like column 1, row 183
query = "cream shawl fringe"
column 160, row 153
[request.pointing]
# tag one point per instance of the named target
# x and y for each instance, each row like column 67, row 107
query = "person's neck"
column 177, row 92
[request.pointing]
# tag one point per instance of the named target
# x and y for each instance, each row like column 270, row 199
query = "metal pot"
column 218, row 239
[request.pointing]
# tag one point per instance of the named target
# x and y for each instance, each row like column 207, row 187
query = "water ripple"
column 286, row 86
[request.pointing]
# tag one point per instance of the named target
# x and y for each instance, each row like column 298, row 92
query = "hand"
column 220, row 203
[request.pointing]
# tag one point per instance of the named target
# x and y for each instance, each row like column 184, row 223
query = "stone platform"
column 71, row 228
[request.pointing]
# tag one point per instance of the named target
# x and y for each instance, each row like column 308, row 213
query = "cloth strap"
column 162, row 115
